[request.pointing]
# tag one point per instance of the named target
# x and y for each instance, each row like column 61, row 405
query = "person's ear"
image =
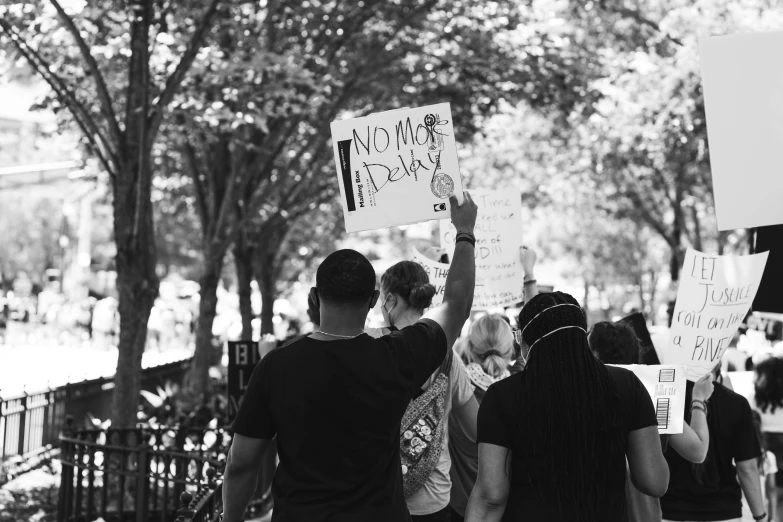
column 314, row 297
column 374, row 300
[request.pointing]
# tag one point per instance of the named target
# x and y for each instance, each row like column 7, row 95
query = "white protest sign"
column 396, row 167
column 743, row 102
column 666, row 386
column 714, row 297
column 499, row 277
column 437, row 273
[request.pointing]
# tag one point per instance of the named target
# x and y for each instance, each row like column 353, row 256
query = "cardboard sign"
column 666, row 385
column 396, row 167
column 243, row 357
column 499, row 276
column 743, row 101
column 714, row 297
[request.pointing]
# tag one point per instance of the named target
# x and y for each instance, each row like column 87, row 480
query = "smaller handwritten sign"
column 437, row 272
column 499, row 275
column 243, row 357
column 713, row 299
column 396, row 167
column 666, row 386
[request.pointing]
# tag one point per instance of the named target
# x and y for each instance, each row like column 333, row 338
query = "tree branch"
column 80, row 114
column 176, row 78
column 190, row 156
column 100, row 83
column 641, row 20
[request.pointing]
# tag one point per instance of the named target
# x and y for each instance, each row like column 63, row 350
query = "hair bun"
column 421, row 296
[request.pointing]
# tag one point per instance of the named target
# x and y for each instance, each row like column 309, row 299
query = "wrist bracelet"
column 467, row 239
column 699, row 408
column 760, row 517
column 465, row 234
column 530, row 282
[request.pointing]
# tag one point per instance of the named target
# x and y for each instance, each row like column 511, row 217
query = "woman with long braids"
column 405, row 293
column 553, row 439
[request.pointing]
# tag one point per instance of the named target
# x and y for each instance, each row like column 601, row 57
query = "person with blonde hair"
column 488, row 350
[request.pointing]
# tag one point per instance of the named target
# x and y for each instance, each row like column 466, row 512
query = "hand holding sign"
column 463, row 215
column 703, row 389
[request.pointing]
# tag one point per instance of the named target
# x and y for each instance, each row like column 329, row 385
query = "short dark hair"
column 345, row 278
column 615, row 343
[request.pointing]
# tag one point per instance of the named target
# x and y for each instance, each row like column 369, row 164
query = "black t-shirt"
column 336, row 408
column 495, row 426
column 732, row 439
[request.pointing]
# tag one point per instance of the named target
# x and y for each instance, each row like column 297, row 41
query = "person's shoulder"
column 625, row 380
column 730, row 397
column 422, row 326
column 510, row 385
column 287, row 351
column 621, row 375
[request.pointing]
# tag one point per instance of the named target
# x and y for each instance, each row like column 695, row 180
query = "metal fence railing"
column 138, row 474
column 31, row 423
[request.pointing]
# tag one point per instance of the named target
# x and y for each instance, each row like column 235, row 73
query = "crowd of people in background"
column 437, row 418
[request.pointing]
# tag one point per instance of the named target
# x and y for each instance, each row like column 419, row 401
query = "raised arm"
column 694, row 441
column 461, row 281
column 528, row 256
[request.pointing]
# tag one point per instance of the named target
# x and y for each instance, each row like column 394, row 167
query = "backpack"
column 422, row 430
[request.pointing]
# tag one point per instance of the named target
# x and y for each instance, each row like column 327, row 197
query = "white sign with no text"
column 743, row 101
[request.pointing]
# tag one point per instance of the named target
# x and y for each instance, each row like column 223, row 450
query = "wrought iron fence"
column 140, row 474
column 31, row 423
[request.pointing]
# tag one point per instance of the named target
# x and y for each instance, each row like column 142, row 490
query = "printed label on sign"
column 666, row 385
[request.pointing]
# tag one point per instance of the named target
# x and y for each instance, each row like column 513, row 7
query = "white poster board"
column 743, row 100
column 714, row 297
column 499, row 276
column 666, row 385
column 396, row 167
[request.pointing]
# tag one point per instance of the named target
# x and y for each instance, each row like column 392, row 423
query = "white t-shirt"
column 435, row 494
column 770, row 422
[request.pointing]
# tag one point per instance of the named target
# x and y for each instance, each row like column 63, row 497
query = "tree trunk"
column 243, row 259
column 137, row 282
column 267, row 287
column 197, row 383
column 137, row 285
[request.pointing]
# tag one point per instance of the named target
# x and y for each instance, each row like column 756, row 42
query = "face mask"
column 388, row 312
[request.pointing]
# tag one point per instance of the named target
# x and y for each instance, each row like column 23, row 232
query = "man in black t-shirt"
column 712, row 491
column 334, row 400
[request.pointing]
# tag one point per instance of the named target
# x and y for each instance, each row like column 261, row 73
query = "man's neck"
column 340, row 326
